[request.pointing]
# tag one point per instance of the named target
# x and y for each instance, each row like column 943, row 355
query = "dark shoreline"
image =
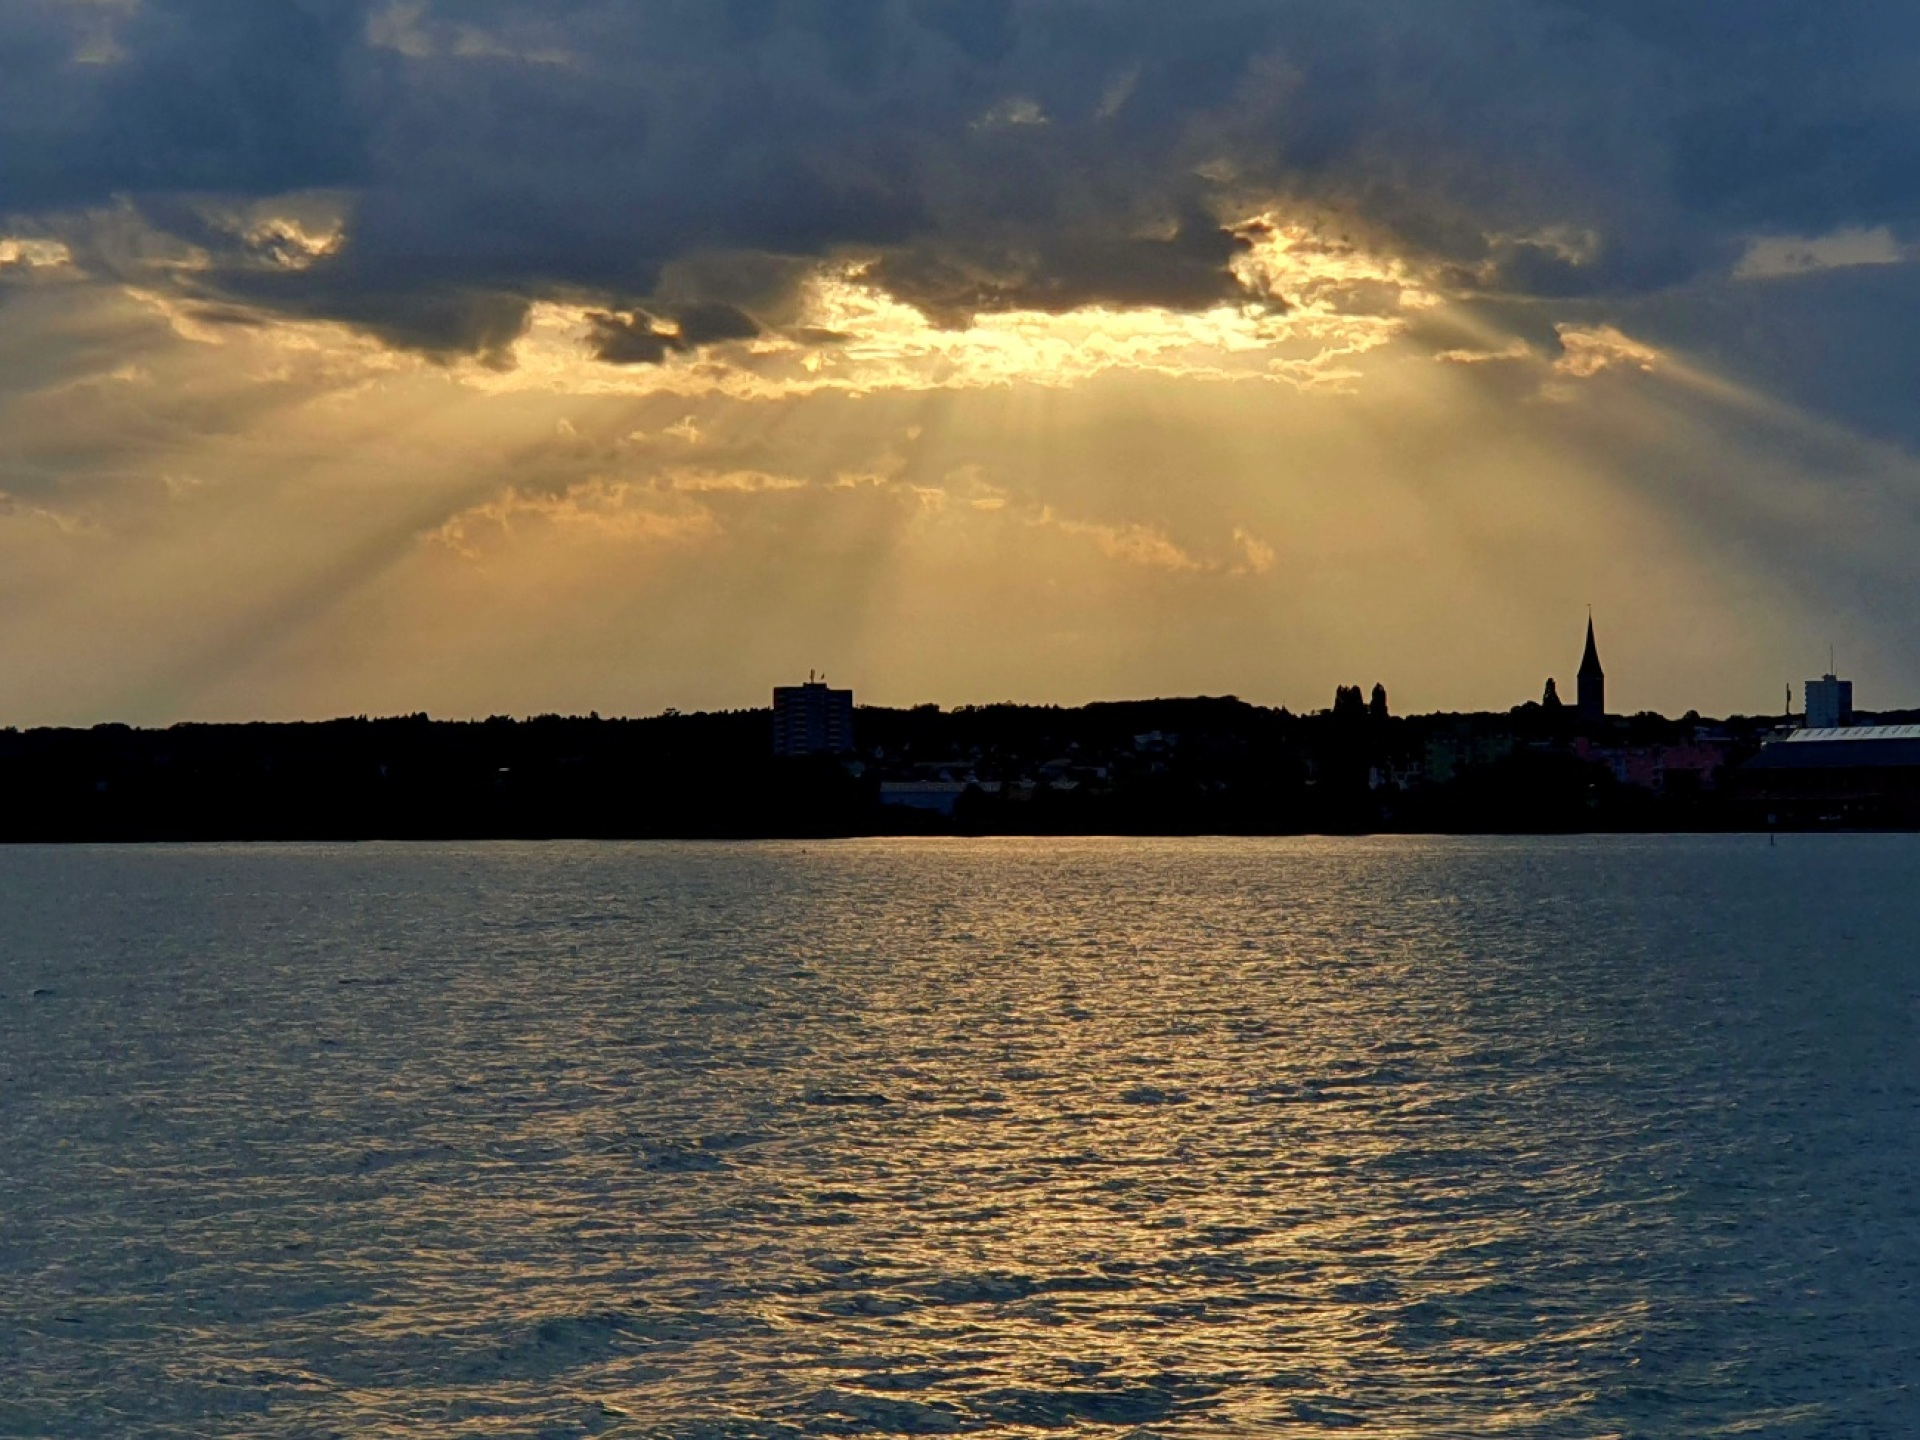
column 167, row 841
column 1201, row 766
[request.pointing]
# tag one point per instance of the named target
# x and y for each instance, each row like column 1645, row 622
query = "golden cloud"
column 610, row 510
column 1586, row 350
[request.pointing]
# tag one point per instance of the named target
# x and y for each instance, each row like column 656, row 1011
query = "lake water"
column 1405, row 1137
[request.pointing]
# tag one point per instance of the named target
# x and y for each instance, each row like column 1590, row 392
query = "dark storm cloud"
column 103, row 98
column 642, row 339
column 1784, row 114
column 1037, row 268
column 992, row 152
column 410, row 307
column 711, row 323
column 630, row 340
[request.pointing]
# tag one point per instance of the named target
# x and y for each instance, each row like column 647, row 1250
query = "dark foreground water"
column 1163, row 1138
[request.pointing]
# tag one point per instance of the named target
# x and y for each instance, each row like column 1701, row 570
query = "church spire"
column 1593, row 680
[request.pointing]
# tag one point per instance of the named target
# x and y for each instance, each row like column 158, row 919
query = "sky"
column 484, row 356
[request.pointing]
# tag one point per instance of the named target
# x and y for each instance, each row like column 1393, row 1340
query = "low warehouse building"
column 1854, row 777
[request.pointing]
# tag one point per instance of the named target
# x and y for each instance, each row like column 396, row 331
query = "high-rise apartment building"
column 1829, row 703
column 810, row 719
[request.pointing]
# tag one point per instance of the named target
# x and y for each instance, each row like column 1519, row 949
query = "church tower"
column 1593, row 681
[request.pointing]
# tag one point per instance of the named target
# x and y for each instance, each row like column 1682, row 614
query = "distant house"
column 1451, row 753
column 940, row 797
column 810, row 719
column 1693, row 765
column 1690, row 766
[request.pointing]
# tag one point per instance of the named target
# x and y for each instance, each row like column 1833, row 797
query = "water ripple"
column 1010, row 1138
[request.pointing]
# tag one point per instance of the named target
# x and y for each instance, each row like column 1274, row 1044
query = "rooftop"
column 1857, row 747
column 1854, row 732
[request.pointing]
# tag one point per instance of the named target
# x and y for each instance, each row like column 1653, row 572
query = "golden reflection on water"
column 1142, row 1138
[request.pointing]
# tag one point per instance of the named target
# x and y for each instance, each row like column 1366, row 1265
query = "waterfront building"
column 1855, row 776
column 810, row 719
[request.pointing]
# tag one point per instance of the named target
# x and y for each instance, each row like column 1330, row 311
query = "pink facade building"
column 1691, row 764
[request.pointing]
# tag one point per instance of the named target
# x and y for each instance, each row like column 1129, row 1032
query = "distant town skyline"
column 1567, row 678
column 1566, row 675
